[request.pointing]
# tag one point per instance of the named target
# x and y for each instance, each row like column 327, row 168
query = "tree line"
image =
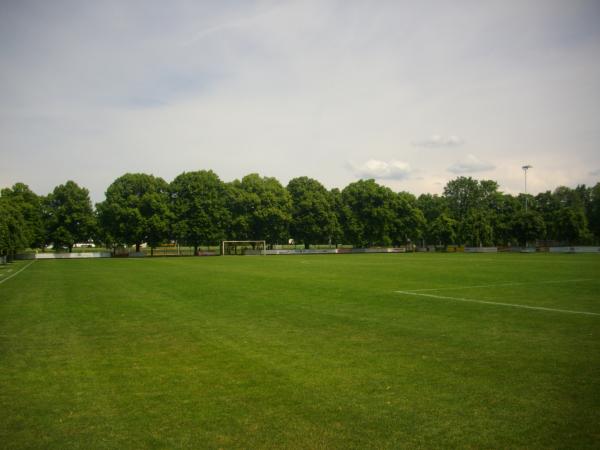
column 199, row 209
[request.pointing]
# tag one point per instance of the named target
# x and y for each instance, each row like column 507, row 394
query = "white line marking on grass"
column 513, row 305
column 508, row 283
column 17, row 272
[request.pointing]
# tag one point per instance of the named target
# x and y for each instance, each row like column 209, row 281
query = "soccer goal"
column 243, row 247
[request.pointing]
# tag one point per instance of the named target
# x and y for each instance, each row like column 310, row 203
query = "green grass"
column 300, row 352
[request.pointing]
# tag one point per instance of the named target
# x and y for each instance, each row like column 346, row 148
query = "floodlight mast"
column 525, row 169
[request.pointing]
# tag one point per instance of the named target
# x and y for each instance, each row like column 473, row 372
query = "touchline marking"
column 514, row 305
column 17, row 272
column 508, row 283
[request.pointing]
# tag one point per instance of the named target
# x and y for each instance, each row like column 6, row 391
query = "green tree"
column 475, row 229
column 313, row 218
column 587, row 199
column 506, row 209
column 564, row 214
column 571, row 225
column 13, row 234
column 31, row 206
column 462, row 195
column 442, row 230
column 475, row 205
column 260, row 209
column 528, row 226
column 594, row 211
column 339, row 210
column 136, row 210
column 548, row 205
column 69, row 215
column 410, row 223
column 200, row 212
column 488, row 194
column 371, row 215
column 566, row 196
column 432, row 206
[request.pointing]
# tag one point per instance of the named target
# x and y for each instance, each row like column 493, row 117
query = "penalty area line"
column 17, row 272
column 486, row 302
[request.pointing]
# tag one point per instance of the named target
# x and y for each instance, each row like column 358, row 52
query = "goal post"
column 243, row 248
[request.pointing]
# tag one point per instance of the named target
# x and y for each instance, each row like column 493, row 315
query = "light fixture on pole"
column 525, row 168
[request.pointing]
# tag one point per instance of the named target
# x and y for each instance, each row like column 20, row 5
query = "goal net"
column 243, row 247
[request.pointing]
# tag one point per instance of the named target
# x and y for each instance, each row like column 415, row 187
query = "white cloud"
column 373, row 168
column 470, row 164
column 298, row 88
column 595, row 173
column 440, row 141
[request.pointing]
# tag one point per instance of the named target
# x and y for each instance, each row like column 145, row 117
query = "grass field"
column 302, row 352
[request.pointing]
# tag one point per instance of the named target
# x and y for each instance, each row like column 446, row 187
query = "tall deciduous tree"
column 475, row 229
column 548, row 205
column 313, row 218
column 594, row 211
column 442, row 230
column 371, row 215
column 528, row 226
column 564, row 213
column 571, row 225
column 69, row 215
column 432, row 206
column 136, row 210
column 475, row 205
column 503, row 219
column 410, row 223
column 261, row 209
column 200, row 209
column 462, row 195
column 340, row 212
column 30, row 206
column 13, row 235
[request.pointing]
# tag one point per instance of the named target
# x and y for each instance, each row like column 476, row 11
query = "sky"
column 411, row 93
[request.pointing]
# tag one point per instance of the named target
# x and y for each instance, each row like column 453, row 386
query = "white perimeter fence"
column 328, row 251
column 63, row 255
column 481, row 249
column 579, row 249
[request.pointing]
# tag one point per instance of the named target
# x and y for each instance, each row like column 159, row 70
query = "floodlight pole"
column 525, row 168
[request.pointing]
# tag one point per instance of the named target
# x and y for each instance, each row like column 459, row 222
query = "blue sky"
column 410, row 93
